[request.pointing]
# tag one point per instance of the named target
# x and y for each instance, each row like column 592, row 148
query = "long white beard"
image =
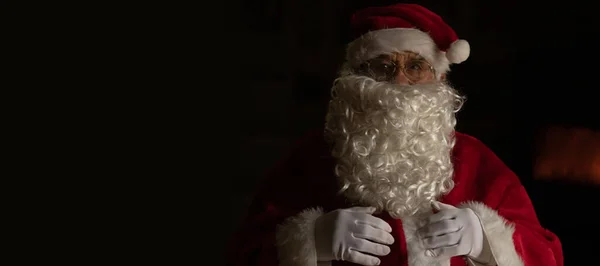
column 393, row 143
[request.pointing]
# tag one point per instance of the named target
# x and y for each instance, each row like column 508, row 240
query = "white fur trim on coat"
column 386, row 41
column 415, row 249
column 499, row 233
column 295, row 239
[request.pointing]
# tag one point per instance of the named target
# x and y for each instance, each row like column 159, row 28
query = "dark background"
column 531, row 66
column 110, row 95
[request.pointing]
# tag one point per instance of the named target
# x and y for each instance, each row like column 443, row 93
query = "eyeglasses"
column 384, row 69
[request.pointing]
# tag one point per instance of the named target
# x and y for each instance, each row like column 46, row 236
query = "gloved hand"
column 452, row 232
column 352, row 235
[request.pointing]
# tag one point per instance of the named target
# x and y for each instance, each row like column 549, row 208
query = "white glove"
column 352, row 235
column 452, row 232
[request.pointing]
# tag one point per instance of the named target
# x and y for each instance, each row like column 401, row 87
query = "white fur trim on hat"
column 458, row 52
column 386, row 41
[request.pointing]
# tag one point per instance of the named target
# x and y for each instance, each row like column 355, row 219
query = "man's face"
column 406, row 68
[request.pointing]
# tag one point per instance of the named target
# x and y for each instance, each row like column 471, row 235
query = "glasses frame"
column 365, row 69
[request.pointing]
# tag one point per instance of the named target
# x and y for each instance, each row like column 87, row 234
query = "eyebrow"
column 409, row 55
column 419, row 57
column 415, row 56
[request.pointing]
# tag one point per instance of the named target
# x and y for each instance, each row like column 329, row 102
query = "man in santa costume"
column 389, row 181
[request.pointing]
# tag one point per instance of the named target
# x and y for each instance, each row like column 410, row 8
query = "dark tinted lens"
column 381, row 70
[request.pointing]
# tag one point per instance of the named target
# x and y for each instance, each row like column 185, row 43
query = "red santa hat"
column 405, row 27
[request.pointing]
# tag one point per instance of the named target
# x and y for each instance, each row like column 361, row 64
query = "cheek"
column 430, row 78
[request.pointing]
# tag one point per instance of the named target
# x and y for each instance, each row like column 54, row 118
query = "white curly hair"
column 392, row 142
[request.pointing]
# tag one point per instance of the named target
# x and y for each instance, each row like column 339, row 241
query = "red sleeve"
column 508, row 217
column 535, row 245
column 288, row 195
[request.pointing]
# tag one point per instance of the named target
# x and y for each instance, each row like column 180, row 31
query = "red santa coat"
column 280, row 223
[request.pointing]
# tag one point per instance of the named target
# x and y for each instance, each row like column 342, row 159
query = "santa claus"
column 389, row 181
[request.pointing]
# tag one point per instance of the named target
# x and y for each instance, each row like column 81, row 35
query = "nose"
column 401, row 79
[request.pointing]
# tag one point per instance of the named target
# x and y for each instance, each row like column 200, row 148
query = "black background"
column 136, row 124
